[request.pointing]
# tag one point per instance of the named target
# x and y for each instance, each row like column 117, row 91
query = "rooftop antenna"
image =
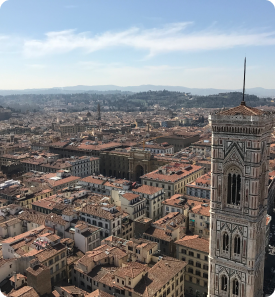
column 243, row 102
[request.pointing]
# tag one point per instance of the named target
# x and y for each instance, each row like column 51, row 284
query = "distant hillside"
column 112, row 89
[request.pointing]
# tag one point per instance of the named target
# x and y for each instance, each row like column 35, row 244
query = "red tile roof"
column 194, row 242
column 242, row 110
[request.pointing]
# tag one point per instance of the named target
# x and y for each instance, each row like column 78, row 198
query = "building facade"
column 240, row 154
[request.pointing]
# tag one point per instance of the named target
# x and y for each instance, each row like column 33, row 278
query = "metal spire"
column 243, row 102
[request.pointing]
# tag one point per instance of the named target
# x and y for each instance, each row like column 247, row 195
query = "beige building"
column 154, row 197
column 72, row 129
column 86, row 237
column 173, row 177
column 56, row 259
column 133, row 204
column 194, row 251
column 199, row 219
column 109, row 269
column 166, row 231
column 10, row 228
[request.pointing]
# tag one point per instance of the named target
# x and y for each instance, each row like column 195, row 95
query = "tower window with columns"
column 234, row 187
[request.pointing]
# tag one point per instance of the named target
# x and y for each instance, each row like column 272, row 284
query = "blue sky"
column 191, row 43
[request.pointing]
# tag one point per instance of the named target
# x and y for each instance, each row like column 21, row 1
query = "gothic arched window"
column 234, row 188
column 224, row 283
column 225, row 242
column 235, row 288
column 237, row 245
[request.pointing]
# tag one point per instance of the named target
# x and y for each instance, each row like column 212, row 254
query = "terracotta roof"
column 162, row 272
column 130, row 196
column 242, row 110
column 202, row 210
column 92, row 180
column 49, row 253
column 24, row 292
column 99, row 293
column 145, row 189
column 173, row 172
column 132, row 270
column 97, row 210
column 194, row 242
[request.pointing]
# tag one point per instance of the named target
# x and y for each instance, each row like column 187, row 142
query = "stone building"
column 240, row 154
column 39, row 278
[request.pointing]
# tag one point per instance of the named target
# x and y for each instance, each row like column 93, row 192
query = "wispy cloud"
column 170, row 38
column 36, row 66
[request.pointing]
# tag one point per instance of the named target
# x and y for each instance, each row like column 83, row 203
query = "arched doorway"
column 139, row 173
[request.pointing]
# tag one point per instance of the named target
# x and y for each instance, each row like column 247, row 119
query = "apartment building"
column 177, row 203
column 194, row 251
column 199, row 219
column 107, row 269
column 166, row 231
column 127, row 226
column 173, row 177
column 154, row 197
column 72, row 129
column 141, row 250
column 200, row 187
column 95, row 165
column 10, row 228
column 133, row 204
column 105, row 216
column 55, row 258
column 202, row 147
column 86, row 237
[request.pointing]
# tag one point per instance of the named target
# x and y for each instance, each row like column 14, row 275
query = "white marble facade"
column 239, row 182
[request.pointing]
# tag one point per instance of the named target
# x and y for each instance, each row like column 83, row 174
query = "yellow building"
column 173, row 177
column 194, row 251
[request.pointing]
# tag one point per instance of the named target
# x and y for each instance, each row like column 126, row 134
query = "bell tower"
column 239, row 181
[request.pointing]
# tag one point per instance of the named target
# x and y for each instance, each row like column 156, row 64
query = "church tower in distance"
column 239, row 181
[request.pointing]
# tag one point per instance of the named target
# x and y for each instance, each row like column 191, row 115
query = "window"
column 198, row 264
column 237, row 245
column 56, row 258
column 225, row 244
column 198, row 256
column 183, row 251
column 224, row 283
column 198, row 273
column 51, row 271
column 205, row 258
column 51, row 262
column 191, row 262
column 191, row 254
column 233, row 188
column 190, row 270
column 235, row 289
column 205, row 275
